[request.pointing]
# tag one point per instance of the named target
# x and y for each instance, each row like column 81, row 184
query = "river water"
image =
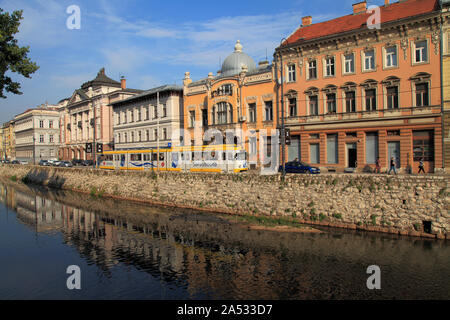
column 133, row 251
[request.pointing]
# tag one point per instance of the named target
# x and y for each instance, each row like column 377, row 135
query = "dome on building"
column 234, row 62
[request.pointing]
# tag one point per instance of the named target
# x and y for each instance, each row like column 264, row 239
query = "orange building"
column 354, row 92
column 238, row 103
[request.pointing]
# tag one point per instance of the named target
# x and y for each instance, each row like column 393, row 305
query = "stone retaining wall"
column 403, row 204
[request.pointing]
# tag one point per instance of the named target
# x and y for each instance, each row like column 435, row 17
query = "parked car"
column 44, row 163
column 77, row 162
column 23, row 162
column 88, row 163
column 299, row 167
column 66, row 164
column 15, row 162
column 56, row 163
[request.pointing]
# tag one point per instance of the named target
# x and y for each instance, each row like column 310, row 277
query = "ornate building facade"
column 89, row 117
column 355, row 93
column 238, row 102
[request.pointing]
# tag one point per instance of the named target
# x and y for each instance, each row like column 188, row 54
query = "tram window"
column 109, row 157
column 147, row 156
column 197, row 155
column 230, row 155
column 161, row 157
column 240, row 155
column 175, row 156
column 116, row 157
column 122, row 158
column 154, row 156
column 224, row 156
column 211, row 155
column 136, row 157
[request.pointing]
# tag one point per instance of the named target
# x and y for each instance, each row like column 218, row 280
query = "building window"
column 125, row 137
column 164, row 134
column 252, row 112
column 312, row 69
column 41, row 124
column 164, row 111
column 155, row 112
column 139, row 115
column 350, row 101
column 131, row 115
column 332, row 148
column 50, row 124
column 269, row 110
column 369, row 60
column 118, row 138
column 155, row 134
column 41, row 138
column 331, row 102
column 392, row 97
column 422, row 95
column 291, row 73
column 125, row 120
column 204, row 117
column 329, row 67
column 292, row 107
column 313, row 105
column 391, row 57
column 51, row 139
column 191, row 119
column 349, row 63
column 371, row 100
column 421, row 51
column 132, row 136
column 314, row 153
column 140, row 136
column 147, row 112
column 222, row 113
column 423, row 145
column 147, row 135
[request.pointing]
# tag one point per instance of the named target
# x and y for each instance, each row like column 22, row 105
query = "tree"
column 12, row 57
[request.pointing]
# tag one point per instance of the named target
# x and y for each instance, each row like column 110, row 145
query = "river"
column 128, row 250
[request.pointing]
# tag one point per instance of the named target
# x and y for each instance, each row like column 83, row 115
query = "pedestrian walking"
column 421, row 167
column 377, row 166
column 393, row 165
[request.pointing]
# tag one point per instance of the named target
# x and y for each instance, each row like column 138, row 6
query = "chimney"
column 123, row 83
column 359, row 7
column 306, row 21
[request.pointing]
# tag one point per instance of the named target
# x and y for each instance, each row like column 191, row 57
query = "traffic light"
column 288, row 136
column 99, row 147
column 88, row 147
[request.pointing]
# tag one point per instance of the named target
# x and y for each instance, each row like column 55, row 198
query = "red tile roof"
column 392, row 12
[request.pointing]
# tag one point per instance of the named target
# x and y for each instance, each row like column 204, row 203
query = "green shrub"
column 14, row 178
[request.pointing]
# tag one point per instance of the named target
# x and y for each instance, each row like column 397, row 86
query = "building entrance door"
column 394, row 151
column 351, row 155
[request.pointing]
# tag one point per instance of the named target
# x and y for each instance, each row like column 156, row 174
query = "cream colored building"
column 139, row 122
column 88, row 112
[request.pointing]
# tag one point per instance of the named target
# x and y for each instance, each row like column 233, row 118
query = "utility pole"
column 157, row 128
column 283, row 135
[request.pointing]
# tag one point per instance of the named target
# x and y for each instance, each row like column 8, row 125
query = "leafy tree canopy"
column 12, row 57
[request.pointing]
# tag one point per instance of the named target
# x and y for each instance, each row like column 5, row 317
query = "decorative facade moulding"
column 251, row 98
column 390, row 81
column 404, row 46
column 330, row 89
column 291, row 94
column 421, row 76
column 267, row 96
column 258, row 78
column 436, row 40
column 311, row 91
column 369, row 84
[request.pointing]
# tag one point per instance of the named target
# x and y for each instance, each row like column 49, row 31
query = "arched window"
column 224, row 112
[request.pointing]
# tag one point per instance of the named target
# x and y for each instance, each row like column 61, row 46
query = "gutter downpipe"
column 442, row 84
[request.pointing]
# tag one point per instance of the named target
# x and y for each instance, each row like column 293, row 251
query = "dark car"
column 15, row 162
column 299, row 167
column 77, row 162
column 88, row 163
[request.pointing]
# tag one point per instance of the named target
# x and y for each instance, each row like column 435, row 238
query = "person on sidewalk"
column 393, row 165
column 377, row 166
column 421, row 166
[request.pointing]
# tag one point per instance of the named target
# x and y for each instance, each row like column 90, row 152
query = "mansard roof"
column 101, row 80
column 388, row 13
column 150, row 92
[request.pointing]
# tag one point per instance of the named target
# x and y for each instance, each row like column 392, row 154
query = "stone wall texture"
column 403, row 204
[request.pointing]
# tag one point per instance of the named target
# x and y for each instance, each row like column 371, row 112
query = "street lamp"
column 283, row 128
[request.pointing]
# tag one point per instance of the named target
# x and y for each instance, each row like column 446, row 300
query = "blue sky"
column 150, row 42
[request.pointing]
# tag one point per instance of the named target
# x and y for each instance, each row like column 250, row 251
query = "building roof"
column 101, row 80
column 389, row 13
column 234, row 62
column 149, row 92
